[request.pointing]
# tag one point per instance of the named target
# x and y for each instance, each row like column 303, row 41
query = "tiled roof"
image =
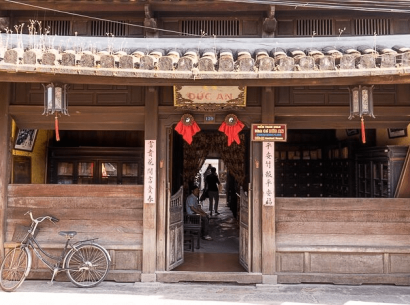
column 207, row 58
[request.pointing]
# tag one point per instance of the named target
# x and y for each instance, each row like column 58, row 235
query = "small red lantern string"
column 56, row 128
column 363, row 130
column 231, row 127
column 187, row 127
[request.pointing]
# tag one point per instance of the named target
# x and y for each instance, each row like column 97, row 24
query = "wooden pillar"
column 268, row 212
column 163, row 157
column 149, row 212
column 5, row 123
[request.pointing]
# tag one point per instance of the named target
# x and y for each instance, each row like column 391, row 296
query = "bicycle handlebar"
column 41, row 219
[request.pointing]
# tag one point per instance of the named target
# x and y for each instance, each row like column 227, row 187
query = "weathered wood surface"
column 326, row 237
column 5, row 157
column 114, row 214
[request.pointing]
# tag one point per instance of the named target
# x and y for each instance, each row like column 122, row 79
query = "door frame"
column 167, row 118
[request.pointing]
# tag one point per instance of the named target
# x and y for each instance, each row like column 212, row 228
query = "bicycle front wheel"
column 14, row 269
column 88, row 266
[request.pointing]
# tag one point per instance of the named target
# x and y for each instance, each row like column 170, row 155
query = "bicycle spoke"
column 88, row 266
column 13, row 269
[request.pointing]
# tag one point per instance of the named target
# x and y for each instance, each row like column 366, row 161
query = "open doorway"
column 221, row 254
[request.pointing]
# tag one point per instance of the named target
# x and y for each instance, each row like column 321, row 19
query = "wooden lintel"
column 217, row 79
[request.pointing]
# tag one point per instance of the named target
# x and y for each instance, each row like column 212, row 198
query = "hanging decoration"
column 231, row 127
column 187, row 127
column 55, row 101
column 361, row 103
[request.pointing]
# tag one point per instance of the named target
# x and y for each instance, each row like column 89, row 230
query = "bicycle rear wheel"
column 14, row 269
column 88, row 266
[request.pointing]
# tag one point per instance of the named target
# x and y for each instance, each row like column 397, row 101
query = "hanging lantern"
column 55, row 102
column 361, row 104
column 361, row 101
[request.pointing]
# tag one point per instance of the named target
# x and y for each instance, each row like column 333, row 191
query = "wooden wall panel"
column 81, row 95
column 400, row 263
column 346, row 263
column 338, row 238
column 111, row 213
column 290, row 262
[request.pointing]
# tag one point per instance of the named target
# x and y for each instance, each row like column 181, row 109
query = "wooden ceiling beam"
column 21, row 77
column 121, row 6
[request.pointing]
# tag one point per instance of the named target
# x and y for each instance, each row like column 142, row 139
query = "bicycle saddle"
column 68, row 234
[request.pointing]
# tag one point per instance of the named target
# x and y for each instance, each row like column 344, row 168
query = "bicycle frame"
column 85, row 262
column 60, row 265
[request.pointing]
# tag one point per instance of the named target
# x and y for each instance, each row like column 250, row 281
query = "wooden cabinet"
column 299, row 178
column 96, row 165
column 339, row 178
column 340, row 170
column 378, row 170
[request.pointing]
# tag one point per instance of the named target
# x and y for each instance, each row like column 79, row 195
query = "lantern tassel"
column 56, row 127
column 363, row 131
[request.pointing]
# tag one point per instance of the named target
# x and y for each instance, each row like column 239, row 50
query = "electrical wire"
column 100, row 19
column 369, row 6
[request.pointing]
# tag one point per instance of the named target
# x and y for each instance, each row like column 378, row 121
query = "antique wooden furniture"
column 378, row 170
column 192, row 226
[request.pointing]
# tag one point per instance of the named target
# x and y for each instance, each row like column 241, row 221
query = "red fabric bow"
column 232, row 131
column 187, row 131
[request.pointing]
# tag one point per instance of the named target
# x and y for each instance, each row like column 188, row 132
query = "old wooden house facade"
column 341, row 211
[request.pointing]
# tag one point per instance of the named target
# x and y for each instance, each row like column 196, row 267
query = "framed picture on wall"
column 396, row 133
column 25, row 139
column 352, row 132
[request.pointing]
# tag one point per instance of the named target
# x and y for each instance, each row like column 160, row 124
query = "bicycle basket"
column 20, row 232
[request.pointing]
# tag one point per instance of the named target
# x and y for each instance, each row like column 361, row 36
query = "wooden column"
column 268, row 212
column 149, row 212
column 5, row 123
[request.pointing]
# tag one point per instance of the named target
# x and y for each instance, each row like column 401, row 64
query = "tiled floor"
column 222, row 253
column 211, row 262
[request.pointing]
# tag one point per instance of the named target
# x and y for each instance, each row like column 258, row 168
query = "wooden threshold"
column 192, row 276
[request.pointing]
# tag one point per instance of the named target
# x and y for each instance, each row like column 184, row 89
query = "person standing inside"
column 192, row 208
column 213, row 183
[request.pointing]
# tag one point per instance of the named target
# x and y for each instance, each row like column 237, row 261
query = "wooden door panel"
column 175, row 238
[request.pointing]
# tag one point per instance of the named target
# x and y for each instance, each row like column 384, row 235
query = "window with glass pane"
column 85, row 172
column 109, row 173
column 129, row 173
column 65, row 173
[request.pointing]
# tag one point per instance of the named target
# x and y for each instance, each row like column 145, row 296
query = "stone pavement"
column 39, row 292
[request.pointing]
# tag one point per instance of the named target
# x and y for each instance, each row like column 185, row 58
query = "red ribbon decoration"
column 231, row 127
column 363, row 131
column 187, row 127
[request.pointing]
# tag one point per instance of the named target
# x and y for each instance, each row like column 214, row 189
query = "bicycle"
column 85, row 262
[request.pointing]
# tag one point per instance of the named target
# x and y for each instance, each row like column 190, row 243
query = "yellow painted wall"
column 382, row 138
column 38, row 155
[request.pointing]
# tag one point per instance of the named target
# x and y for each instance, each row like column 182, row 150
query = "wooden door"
column 175, row 234
column 244, row 231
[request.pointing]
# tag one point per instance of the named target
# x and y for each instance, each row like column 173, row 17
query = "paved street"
column 39, row 292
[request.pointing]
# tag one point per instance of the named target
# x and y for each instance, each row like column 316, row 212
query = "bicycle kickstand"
column 55, row 271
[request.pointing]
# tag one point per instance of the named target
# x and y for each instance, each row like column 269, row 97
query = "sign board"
column 212, row 97
column 268, row 170
column 150, row 172
column 269, row 132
